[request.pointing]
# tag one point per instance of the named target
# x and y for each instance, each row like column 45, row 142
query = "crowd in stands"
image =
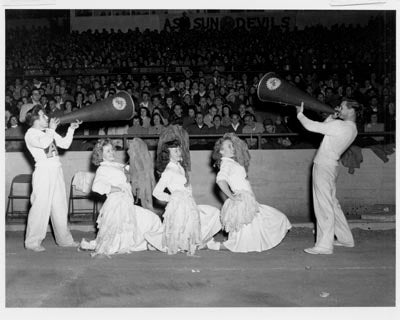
column 216, row 91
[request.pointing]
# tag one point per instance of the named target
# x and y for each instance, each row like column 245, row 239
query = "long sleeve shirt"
column 173, row 178
column 43, row 144
column 338, row 136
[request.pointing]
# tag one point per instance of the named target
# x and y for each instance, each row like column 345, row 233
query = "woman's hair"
column 97, row 154
column 225, row 106
column 156, row 115
column 164, row 155
column 241, row 150
column 147, row 112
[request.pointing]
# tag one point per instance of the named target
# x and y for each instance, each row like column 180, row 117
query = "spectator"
column 374, row 126
column 136, row 128
column 216, row 127
column 157, row 124
column 252, row 127
column 26, row 107
column 235, row 126
column 190, row 118
column 144, row 114
column 177, row 115
column 14, row 130
column 199, row 127
column 226, row 116
column 209, row 117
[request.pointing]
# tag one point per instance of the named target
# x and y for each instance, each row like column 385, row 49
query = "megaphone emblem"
column 273, row 83
column 119, row 103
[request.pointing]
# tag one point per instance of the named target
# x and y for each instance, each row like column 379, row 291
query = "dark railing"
column 147, row 137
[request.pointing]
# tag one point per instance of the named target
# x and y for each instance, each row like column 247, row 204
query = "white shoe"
column 37, row 249
column 316, row 250
column 343, row 244
column 213, row 245
column 86, row 245
column 73, row 244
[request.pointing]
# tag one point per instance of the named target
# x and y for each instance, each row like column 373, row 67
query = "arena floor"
column 281, row 277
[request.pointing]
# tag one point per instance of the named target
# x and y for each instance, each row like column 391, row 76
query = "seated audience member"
column 226, row 116
column 190, row 118
column 216, row 127
column 282, row 127
column 218, row 103
column 14, row 129
column 235, row 126
column 136, row 128
column 209, row 117
column 158, row 111
column 252, row 127
column 199, row 127
column 144, row 115
column 374, row 126
column 177, row 115
column 156, row 124
column 146, row 102
column 242, row 111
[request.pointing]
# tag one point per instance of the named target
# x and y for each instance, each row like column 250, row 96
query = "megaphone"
column 117, row 107
column 271, row 88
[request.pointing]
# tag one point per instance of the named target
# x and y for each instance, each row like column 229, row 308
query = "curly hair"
column 242, row 154
column 97, row 154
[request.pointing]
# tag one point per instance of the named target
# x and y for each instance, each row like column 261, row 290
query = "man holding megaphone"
column 339, row 132
column 48, row 196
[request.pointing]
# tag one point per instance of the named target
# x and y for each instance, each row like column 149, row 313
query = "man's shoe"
column 74, row 244
column 316, row 250
column 36, row 249
column 343, row 244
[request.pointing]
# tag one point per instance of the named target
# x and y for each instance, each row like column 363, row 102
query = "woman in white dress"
column 251, row 226
column 121, row 224
column 186, row 226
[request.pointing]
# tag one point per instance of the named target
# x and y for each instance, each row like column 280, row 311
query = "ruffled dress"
column 186, row 226
column 121, row 224
column 251, row 226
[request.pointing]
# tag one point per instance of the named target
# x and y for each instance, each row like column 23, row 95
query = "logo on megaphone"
column 119, row 103
column 273, row 83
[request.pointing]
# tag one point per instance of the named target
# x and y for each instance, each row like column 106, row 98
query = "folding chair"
column 18, row 179
column 80, row 189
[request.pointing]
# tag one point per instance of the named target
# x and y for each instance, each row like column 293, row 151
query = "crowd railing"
column 206, row 141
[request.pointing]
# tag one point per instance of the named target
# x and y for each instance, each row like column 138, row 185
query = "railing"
column 194, row 138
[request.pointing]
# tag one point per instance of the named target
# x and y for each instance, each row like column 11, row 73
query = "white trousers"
column 48, row 199
column 330, row 217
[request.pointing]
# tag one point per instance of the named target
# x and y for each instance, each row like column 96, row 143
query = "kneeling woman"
column 251, row 226
column 121, row 224
column 187, row 226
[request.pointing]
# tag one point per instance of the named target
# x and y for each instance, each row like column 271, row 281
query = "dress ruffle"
column 237, row 213
column 117, row 225
column 182, row 223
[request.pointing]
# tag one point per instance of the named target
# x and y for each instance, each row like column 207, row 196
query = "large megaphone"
column 117, row 107
column 271, row 88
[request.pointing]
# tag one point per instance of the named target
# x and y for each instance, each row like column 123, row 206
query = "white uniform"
column 252, row 227
column 48, row 196
column 186, row 226
column 121, row 224
column 338, row 136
